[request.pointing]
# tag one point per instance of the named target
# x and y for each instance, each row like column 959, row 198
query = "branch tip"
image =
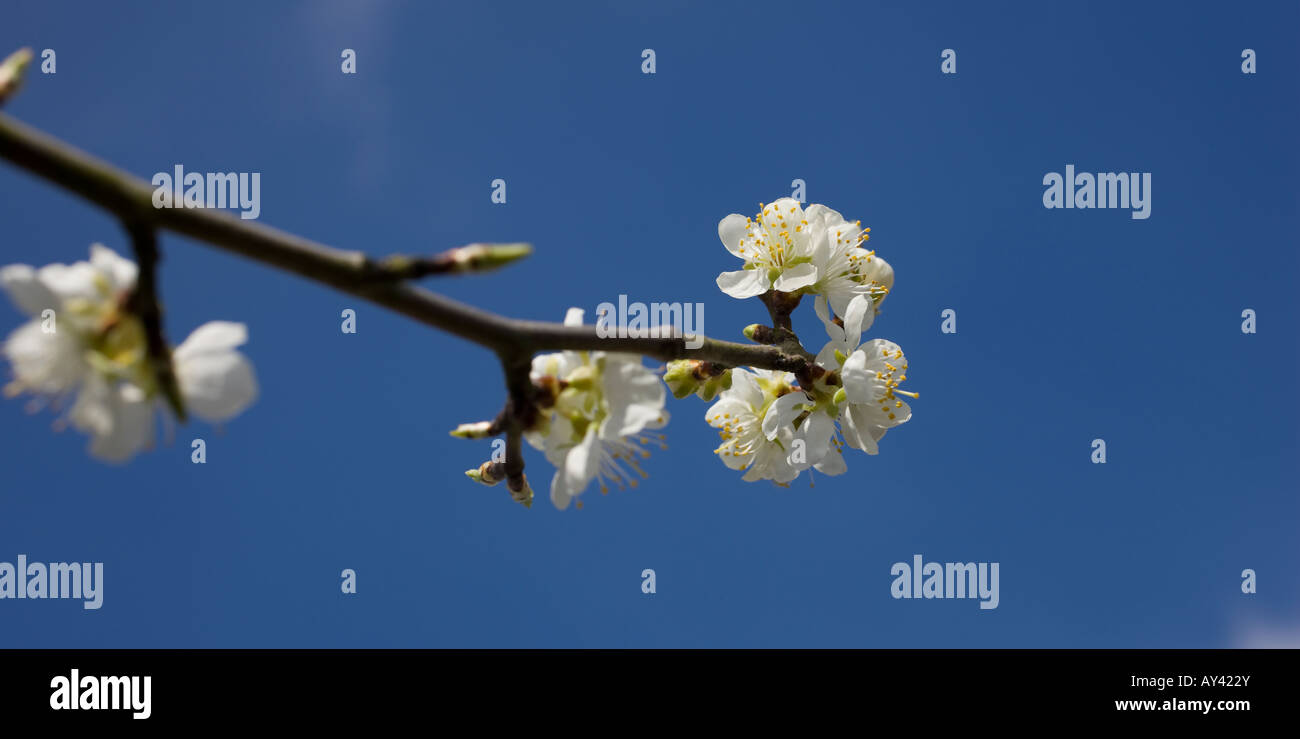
column 11, row 72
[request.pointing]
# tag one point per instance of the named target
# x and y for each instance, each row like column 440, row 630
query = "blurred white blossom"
column 82, row 345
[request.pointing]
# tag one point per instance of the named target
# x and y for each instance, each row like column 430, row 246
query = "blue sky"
column 1072, row 324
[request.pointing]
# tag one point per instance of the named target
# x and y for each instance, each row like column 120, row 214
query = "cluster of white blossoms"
column 594, row 408
column 771, row 427
column 814, row 252
column 593, row 421
column 83, row 345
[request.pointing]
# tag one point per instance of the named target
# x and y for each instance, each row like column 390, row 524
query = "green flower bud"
column 488, row 473
column 710, row 388
column 479, row 430
column 482, row 257
column 705, row 379
column 11, row 71
column 680, row 377
column 759, row 333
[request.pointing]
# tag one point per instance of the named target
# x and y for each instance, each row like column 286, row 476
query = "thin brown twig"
column 145, row 304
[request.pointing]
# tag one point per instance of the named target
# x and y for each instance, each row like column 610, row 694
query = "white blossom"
column 813, row 251
column 92, row 350
column 845, row 269
column 776, row 246
column 594, row 431
column 740, row 415
column 868, row 404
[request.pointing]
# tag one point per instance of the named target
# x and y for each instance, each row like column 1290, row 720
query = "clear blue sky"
column 1072, row 325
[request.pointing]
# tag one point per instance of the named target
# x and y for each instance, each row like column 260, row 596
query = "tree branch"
column 353, row 272
column 383, row 282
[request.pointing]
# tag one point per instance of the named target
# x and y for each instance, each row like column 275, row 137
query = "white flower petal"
column 731, row 230
column 743, row 283
column 582, row 462
column 131, row 429
column 71, row 281
column 859, row 432
column 727, row 405
column 781, row 414
column 555, row 364
column 121, row 272
column 48, row 363
column 216, row 385
column 832, row 463
column 800, row 275
column 93, row 410
column 820, row 217
column 735, row 461
column 535, row 439
column 841, row 293
column 772, row 464
column 856, row 378
column 560, row 496
column 660, row 421
column 635, row 397
column 788, row 208
column 878, row 270
column 213, row 336
column 901, row 412
column 826, row 357
column 26, row 289
column 858, row 317
column 834, row 331
column 744, row 387
column 816, row 432
column 558, row 440
column 574, row 317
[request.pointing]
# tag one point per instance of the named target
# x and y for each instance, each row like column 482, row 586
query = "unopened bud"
column 488, row 473
column 482, row 257
column 710, row 388
column 705, row 379
column 521, row 491
column 680, row 377
column 479, row 430
column 760, row 333
column 11, row 71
